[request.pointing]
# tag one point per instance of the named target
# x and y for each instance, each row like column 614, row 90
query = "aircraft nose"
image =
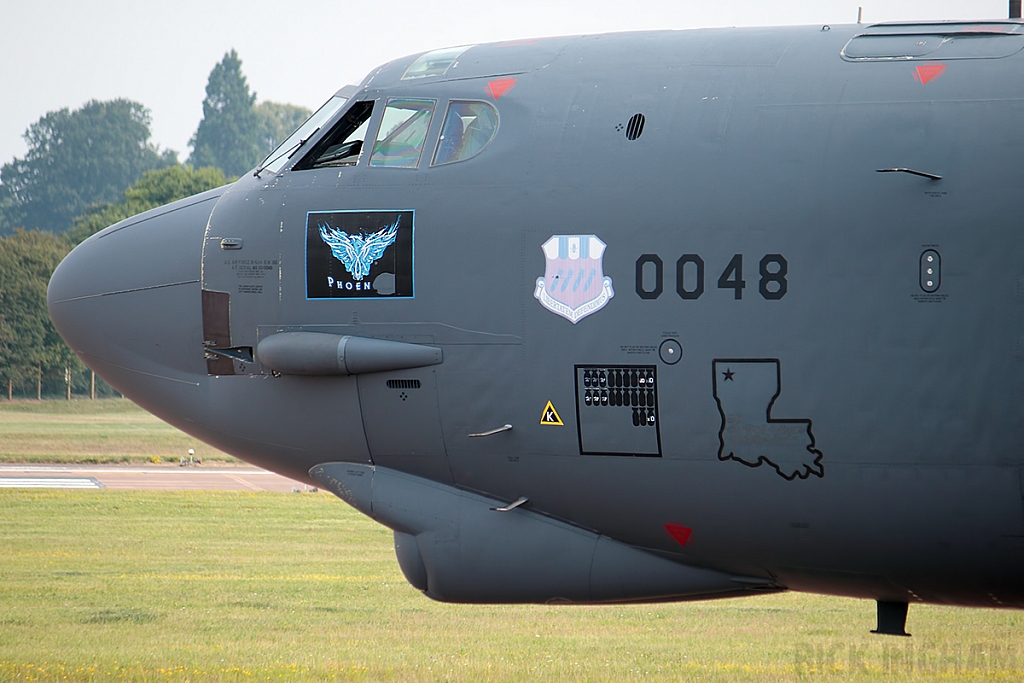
column 127, row 300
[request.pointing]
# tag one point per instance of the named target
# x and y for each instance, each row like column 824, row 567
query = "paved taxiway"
column 145, row 478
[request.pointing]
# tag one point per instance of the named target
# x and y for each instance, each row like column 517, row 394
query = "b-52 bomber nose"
column 577, row 331
column 131, row 304
column 127, row 299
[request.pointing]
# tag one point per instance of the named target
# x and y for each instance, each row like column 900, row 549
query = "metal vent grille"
column 635, row 127
column 403, row 384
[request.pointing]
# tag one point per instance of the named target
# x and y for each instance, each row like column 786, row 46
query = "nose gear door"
column 402, row 422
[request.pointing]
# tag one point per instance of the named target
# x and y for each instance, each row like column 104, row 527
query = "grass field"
column 157, row 586
column 224, row 586
column 84, row 431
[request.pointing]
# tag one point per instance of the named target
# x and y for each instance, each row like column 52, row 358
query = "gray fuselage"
column 779, row 364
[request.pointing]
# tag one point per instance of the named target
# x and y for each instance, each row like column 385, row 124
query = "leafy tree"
column 154, row 189
column 32, row 347
column 75, row 159
column 6, row 340
column 277, row 121
column 228, row 135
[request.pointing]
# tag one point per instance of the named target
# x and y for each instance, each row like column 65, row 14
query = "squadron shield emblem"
column 574, row 285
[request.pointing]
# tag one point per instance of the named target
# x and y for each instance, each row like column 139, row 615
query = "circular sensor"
column 671, row 352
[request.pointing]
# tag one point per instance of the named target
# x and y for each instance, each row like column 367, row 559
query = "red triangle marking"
column 500, row 87
column 928, row 72
column 679, row 532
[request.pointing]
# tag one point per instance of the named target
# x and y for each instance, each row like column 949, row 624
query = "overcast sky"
column 58, row 54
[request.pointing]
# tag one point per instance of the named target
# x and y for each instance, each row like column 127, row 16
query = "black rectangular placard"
column 359, row 254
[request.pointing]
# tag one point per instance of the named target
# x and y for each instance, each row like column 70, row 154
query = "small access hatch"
column 217, row 332
column 402, row 420
column 935, row 41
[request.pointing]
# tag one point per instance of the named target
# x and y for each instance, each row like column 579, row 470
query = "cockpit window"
column 276, row 160
column 343, row 145
column 468, row 127
column 434, row 63
column 403, row 130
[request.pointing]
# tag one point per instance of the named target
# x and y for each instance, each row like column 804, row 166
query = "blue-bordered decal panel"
column 359, row 254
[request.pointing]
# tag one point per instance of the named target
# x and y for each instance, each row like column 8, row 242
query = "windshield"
column 276, row 160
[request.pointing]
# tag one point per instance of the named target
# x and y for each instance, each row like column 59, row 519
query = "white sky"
column 56, row 53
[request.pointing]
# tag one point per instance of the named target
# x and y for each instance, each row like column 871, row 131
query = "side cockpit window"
column 343, row 145
column 403, row 130
column 467, row 128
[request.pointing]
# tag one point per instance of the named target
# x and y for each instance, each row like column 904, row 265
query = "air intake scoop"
column 318, row 354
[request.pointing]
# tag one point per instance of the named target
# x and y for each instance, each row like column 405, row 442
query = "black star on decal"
column 728, row 375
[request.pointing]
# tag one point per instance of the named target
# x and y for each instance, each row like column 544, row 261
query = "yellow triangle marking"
column 550, row 416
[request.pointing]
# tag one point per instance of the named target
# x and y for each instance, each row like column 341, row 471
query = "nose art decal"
column 574, row 285
column 359, row 254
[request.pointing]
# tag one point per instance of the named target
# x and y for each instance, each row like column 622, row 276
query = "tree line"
column 90, row 168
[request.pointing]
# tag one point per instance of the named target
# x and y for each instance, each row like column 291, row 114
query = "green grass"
column 235, row 586
column 84, row 431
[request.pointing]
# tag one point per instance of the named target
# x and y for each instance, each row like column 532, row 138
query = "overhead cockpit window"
column 468, row 127
column 343, row 145
column 276, row 160
column 403, row 130
column 434, row 63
